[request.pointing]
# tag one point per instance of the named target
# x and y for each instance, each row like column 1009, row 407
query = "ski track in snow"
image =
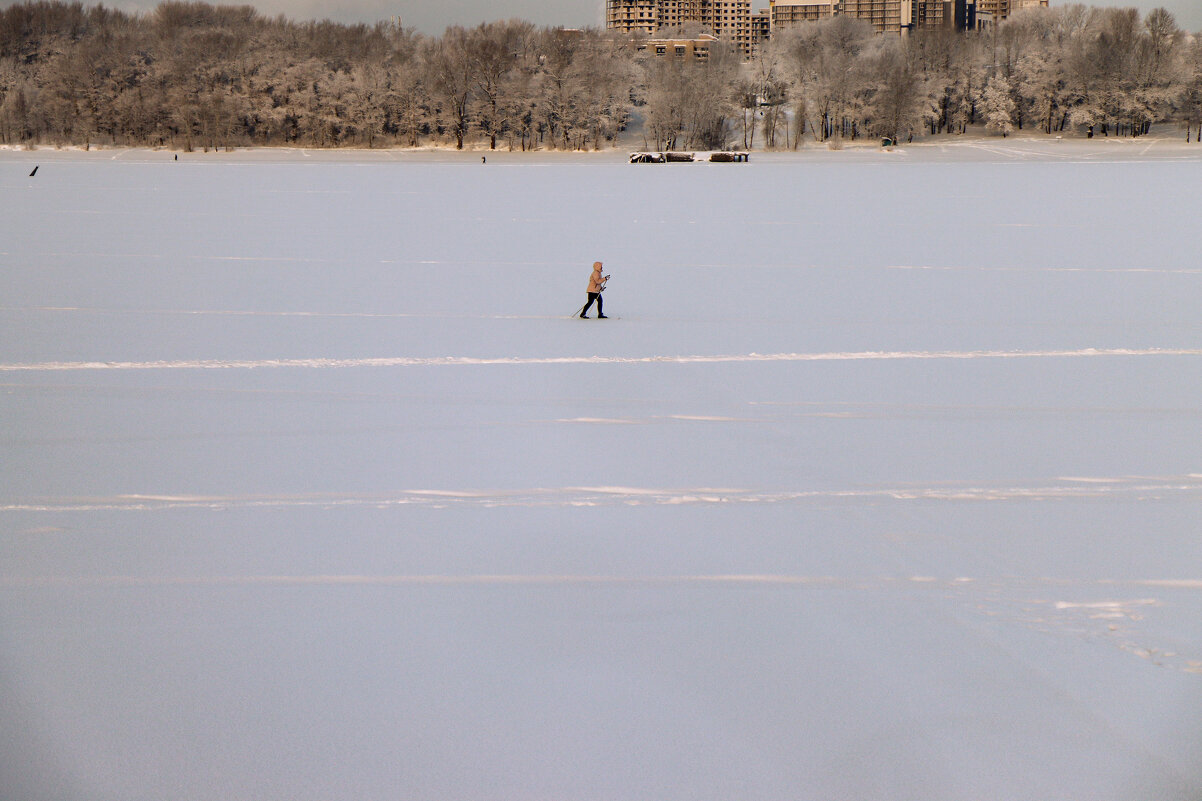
column 314, row 314
column 667, row 265
column 461, row 361
column 1111, row 609
column 1038, row 269
column 1144, row 488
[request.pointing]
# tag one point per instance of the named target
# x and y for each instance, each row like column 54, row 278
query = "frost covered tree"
column 829, row 69
column 452, row 81
column 495, row 55
column 406, row 101
column 709, row 101
column 761, row 93
column 556, row 82
column 664, row 110
column 604, row 78
column 747, row 99
column 1160, row 69
column 790, row 55
column 1104, row 66
column 582, row 87
column 936, row 55
column 1191, row 95
column 897, row 104
column 688, row 101
column 998, row 105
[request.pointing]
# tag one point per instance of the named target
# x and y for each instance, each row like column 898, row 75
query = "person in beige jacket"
column 596, row 285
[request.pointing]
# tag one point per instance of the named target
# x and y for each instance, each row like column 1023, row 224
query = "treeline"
column 196, row 75
column 1097, row 71
column 190, row 75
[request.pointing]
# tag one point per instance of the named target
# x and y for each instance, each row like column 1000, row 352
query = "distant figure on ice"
column 596, row 285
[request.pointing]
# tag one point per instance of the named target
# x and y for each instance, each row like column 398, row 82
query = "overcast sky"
column 433, row 16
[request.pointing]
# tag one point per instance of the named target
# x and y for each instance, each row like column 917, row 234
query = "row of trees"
column 1098, row 71
column 190, row 75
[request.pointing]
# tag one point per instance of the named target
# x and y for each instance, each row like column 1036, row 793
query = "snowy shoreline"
column 1159, row 145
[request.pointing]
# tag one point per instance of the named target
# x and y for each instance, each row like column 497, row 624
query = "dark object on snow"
column 726, row 156
column 484, row 159
column 35, row 170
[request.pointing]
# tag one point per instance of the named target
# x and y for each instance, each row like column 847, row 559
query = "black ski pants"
column 591, row 297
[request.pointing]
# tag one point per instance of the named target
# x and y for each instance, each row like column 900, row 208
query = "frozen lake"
column 885, row 485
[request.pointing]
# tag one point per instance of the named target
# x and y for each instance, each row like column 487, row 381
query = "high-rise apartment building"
column 728, row 20
column 632, row 16
column 927, row 14
column 1019, row 5
column 959, row 15
column 886, row 16
column 733, row 21
column 761, row 27
column 1001, row 9
column 785, row 14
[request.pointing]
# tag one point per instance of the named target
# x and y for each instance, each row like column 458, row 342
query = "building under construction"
column 885, row 16
column 727, row 20
column 733, row 21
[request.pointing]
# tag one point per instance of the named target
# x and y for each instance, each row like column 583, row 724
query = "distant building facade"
column 902, row 16
column 1001, row 9
column 1019, row 5
column 687, row 49
column 632, row 16
column 761, row 27
column 726, row 20
column 957, row 15
column 788, row 14
column 886, row 16
column 733, row 21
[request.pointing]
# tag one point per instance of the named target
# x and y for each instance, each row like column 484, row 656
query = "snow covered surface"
column 886, row 484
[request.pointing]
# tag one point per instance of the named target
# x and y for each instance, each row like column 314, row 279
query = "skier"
column 596, row 285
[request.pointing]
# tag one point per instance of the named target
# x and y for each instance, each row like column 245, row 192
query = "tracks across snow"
column 1069, row 488
column 462, row 361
